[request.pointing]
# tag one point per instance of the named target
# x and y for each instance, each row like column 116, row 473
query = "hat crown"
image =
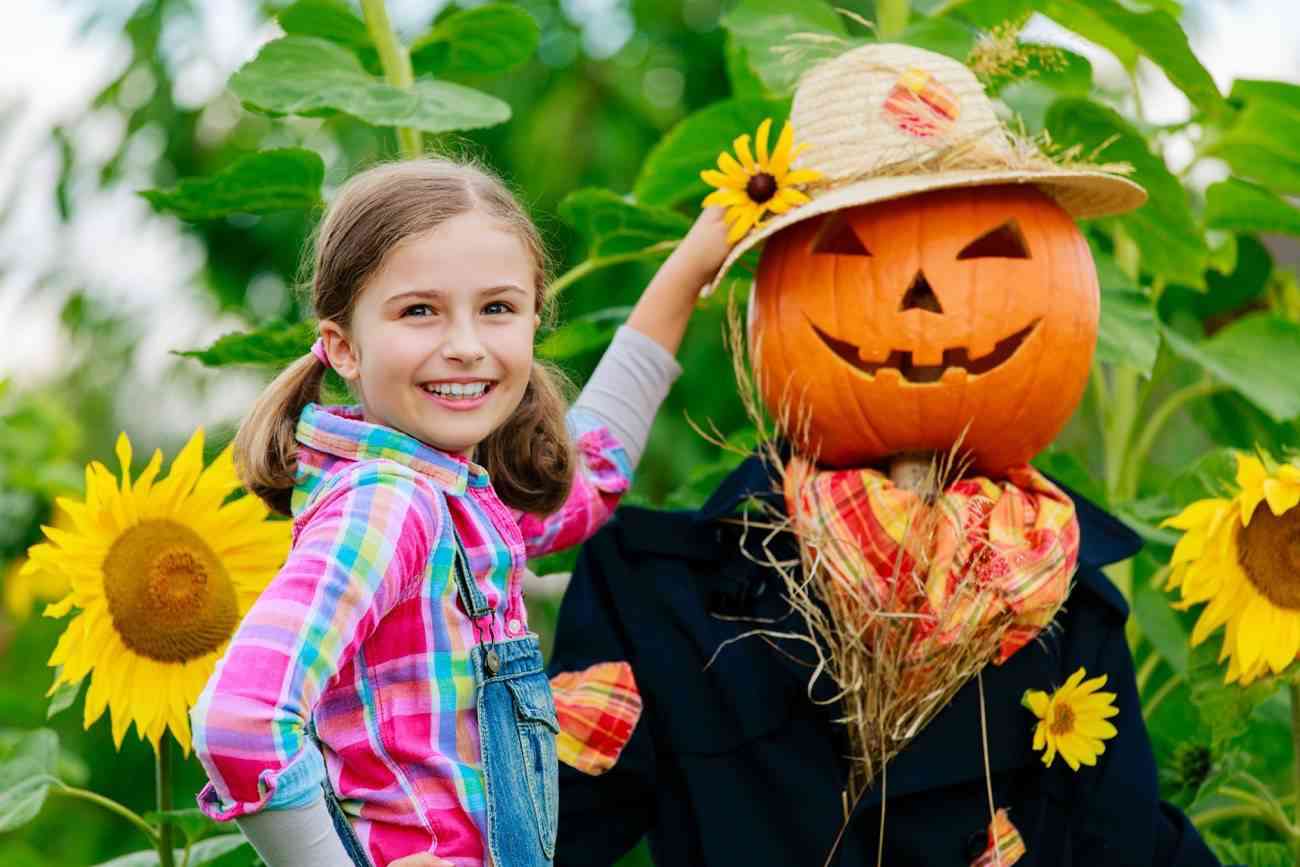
column 886, row 104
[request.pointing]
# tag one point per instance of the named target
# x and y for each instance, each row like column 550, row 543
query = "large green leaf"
column 1161, row 626
column 1129, row 34
column 309, row 76
column 671, row 172
column 1166, row 234
column 276, row 344
column 27, row 768
column 582, row 334
column 1225, row 707
column 1254, row 355
column 1247, row 90
column 1239, row 206
column 940, row 35
column 1223, row 293
column 764, row 28
column 612, row 225
column 272, row 180
column 1126, row 334
column 191, row 822
column 484, row 40
column 328, row 19
column 1263, row 144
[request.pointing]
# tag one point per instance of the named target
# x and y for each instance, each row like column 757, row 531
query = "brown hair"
column 530, row 457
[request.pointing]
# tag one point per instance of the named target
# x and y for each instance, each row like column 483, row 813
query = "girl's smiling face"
column 441, row 339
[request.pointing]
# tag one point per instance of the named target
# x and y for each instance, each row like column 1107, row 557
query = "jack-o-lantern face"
column 890, row 327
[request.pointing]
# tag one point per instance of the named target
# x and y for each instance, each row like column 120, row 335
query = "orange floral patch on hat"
column 919, row 105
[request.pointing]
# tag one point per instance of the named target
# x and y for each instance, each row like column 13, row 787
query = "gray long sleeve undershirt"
column 625, row 391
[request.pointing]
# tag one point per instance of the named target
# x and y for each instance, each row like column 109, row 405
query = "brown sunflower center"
column 1269, row 553
column 760, row 188
column 169, row 596
column 1062, row 720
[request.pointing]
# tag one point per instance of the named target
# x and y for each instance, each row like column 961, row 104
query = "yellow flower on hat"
column 1072, row 720
column 1240, row 555
column 757, row 183
column 160, row 573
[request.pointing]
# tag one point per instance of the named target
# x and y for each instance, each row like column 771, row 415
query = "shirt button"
column 514, row 626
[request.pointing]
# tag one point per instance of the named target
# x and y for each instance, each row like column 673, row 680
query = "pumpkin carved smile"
column 901, row 360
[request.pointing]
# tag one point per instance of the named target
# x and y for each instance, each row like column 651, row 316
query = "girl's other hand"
column 420, row 859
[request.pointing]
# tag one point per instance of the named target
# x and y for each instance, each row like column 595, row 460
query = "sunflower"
column 751, row 187
column 161, row 573
column 1072, row 720
column 1241, row 555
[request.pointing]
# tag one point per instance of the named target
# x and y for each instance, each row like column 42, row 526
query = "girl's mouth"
column 459, row 395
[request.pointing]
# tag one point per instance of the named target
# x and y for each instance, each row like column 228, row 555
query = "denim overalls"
column 517, row 728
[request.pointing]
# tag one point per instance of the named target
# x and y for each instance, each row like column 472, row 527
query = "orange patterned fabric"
column 998, row 547
column 597, row 710
column 1005, row 846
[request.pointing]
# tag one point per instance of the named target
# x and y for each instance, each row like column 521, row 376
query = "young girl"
column 388, row 669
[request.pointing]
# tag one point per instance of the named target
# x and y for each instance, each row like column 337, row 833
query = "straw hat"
column 884, row 121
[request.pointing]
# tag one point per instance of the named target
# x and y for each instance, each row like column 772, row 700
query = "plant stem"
column 582, row 269
column 1295, row 744
column 163, row 779
column 396, row 62
column 1141, row 450
column 1206, row 818
column 1147, row 669
column 108, row 804
column 1149, row 706
column 891, row 18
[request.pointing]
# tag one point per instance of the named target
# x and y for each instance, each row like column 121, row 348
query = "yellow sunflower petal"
column 741, row 146
column 715, row 178
column 802, row 176
column 760, row 143
column 1073, row 681
column 1037, row 701
column 1253, row 630
column 725, row 198
column 732, row 169
column 1051, row 752
column 781, row 157
column 1040, row 736
column 746, row 217
column 1281, row 496
column 1197, row 514
column 1281, row 650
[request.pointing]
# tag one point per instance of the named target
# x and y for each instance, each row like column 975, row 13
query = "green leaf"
column 309, row 76
column 582, row 334
column 1256, row 356
column 1126, row 333
column 276, row 344
column 1170, row 242
column 484, row 40
column 1223, row 293
column 1224, row 707
column 745, row 83
column 1238, row 206
column 1210, row 476
column 940, row 35
column 671, row 172
column 1263, row 144
column 611, row 224
column 1128, row 34
column 1250, row 853
column 27, row 770
column 1072, row 77
column 1161, row 626
column 192, row 823
column 327, row 19
column 1246, row 90
column 203, row 852
column 763, row 26
column 64, row 696
column 273, row 180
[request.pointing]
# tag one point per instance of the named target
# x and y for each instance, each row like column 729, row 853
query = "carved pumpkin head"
column 892, row 326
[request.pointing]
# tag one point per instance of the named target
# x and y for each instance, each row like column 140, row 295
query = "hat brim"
column 1083, row 195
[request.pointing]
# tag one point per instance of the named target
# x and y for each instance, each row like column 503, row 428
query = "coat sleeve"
column 1123, row 820
column 601, row 817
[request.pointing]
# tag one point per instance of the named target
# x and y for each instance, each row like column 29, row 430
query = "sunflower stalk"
column 396, row 61
column 163, row 780
column 595, row 263
column 58, row 787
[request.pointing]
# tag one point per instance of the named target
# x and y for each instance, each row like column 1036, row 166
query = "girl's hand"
column 704, row 248
column 420, row 859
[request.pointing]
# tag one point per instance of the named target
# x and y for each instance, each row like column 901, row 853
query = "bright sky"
column 50, row 69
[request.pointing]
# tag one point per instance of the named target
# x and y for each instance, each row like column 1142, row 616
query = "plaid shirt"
column 362, row 632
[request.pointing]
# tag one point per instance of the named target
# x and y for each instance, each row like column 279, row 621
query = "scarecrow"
column 859, row 650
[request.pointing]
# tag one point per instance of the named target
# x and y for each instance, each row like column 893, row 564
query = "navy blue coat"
column 733, row 764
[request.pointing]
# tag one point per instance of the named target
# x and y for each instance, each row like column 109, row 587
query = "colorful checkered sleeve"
column 597, row 708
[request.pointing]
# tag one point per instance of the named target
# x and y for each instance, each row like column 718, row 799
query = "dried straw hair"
column 530, row 457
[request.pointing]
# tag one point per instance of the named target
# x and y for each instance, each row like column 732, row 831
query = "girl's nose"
column 463, row 344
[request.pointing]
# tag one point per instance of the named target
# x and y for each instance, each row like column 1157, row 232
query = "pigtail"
column 265, row 450
column 530, row 458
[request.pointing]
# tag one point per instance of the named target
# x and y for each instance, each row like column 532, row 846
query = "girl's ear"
column 342, row 354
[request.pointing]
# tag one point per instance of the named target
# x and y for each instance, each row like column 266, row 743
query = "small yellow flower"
column 1072, row 720
column 1241, row 560
column 757, row 184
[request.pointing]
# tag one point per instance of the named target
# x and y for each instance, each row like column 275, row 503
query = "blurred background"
column 98, row 292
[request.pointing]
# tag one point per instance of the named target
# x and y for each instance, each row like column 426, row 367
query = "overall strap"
column 476, row 606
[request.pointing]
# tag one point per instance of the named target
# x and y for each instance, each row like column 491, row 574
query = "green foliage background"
column 1200, row 330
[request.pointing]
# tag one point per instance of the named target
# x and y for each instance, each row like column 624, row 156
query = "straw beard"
column 895, row 659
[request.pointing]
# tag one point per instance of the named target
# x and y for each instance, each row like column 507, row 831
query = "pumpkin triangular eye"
column 837, row 238
column 1004, row 242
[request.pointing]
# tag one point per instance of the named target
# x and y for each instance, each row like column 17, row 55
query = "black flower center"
column 760, row 188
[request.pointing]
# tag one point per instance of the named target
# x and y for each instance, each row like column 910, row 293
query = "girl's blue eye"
column 409, row 310
column 497, row 307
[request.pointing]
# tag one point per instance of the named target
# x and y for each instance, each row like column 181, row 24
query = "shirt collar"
column 340, row 431
column 1103, row 538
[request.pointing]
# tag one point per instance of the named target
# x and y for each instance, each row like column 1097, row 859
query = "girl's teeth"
column 460, row 390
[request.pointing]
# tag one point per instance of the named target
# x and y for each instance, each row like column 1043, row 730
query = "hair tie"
column 318, row 350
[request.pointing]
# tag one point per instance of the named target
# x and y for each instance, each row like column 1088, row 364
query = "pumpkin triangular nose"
column 919, row 294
